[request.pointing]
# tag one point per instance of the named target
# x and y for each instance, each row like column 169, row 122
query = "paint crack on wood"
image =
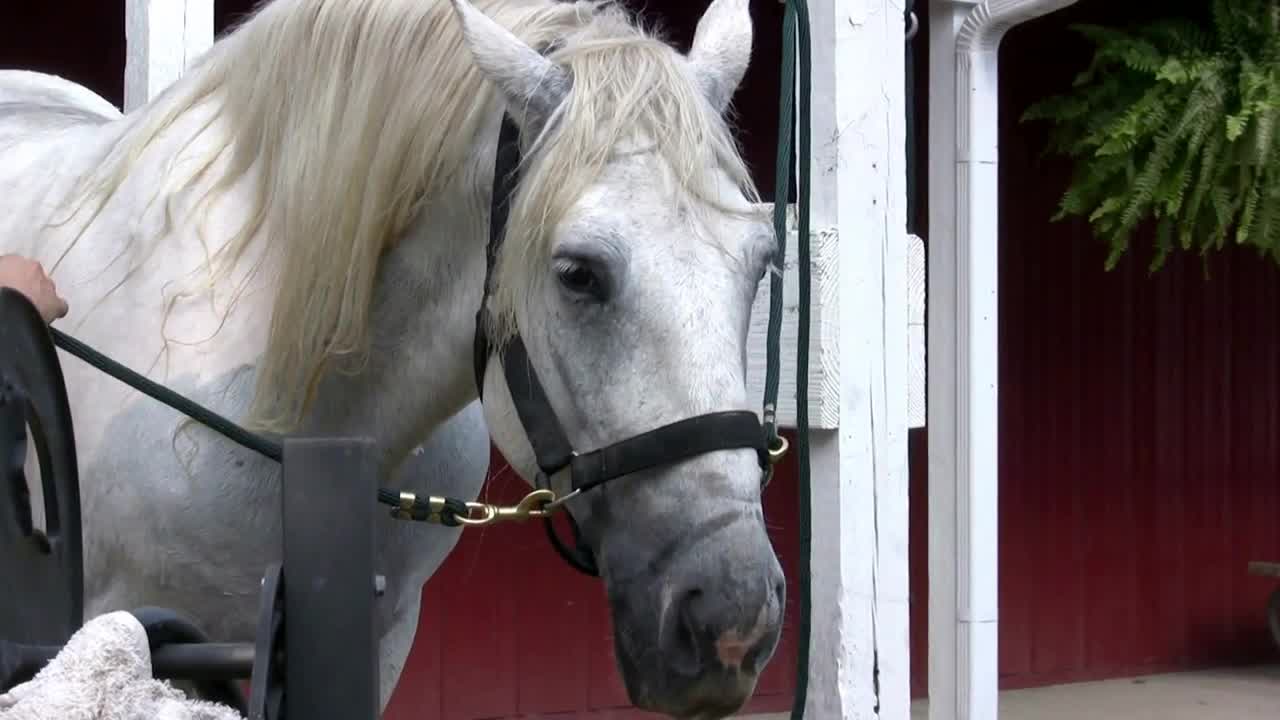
column 875, row 560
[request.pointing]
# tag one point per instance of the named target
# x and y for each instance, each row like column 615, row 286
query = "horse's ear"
column 722, row 49
column 532, row 85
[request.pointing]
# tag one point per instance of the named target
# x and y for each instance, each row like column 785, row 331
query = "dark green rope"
column 781, row 191
column 418, row 510
column 237, row 434
column 795, row 50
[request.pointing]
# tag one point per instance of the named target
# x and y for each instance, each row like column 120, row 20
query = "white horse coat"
column 294, row 234
column 174, row 515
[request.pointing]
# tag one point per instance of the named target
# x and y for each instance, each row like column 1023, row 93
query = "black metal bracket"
column 317, row 625
column 47, row 566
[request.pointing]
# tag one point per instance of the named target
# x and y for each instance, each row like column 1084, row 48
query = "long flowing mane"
column 349, row 116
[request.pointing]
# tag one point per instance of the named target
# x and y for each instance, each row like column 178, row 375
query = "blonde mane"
column 352, row 114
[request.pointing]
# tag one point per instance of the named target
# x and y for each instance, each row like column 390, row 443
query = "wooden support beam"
column 163, row 37
column 859, row 662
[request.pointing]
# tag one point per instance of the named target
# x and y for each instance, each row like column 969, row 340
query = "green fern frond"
column 1175, row 122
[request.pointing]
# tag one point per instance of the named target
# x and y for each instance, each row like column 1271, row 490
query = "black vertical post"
column 331, row 640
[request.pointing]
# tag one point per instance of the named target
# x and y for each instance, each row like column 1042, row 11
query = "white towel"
column 104, row 673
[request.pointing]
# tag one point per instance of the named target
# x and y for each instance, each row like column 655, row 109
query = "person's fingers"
column 53, row 305
column 29, row 277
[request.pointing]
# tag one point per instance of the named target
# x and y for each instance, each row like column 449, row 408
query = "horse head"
column 633, row 249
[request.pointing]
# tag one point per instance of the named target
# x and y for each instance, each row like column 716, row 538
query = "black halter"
column 677, row 441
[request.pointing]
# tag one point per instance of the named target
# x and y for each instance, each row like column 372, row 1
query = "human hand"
column 29, row 278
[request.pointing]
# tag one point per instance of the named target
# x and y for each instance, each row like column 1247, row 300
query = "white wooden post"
column 859, row 497
column 164, row 37
column 963, row 373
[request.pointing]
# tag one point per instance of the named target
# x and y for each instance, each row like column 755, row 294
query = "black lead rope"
column 444, row 511
column 258, row 443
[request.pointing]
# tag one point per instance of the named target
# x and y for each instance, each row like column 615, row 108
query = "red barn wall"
column 1139, row 427
column 1140, row 423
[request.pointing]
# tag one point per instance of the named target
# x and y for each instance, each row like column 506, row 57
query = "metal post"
column 330, row 636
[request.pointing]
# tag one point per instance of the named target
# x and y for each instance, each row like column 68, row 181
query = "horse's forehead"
column 636, row 199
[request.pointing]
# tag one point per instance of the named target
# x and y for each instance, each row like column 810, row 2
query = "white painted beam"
column 859, row 661
column 963, row 371
column 916, row 348
column 163, row 38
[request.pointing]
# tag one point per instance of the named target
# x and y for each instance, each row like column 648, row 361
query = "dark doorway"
column 80, row 40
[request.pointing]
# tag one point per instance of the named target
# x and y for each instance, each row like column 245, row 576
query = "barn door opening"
column 80, row 40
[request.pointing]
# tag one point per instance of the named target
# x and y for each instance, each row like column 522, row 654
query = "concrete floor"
column 1228, row 694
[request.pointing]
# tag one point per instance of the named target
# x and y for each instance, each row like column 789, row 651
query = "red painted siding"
column 1140, row 467
column 1140, row 425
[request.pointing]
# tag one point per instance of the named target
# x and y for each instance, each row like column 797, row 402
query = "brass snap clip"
column 534, row 505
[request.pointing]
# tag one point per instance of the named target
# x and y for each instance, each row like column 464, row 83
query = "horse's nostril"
column 689, row 631
column 690, row 622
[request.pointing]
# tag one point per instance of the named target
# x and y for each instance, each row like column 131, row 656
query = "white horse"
column 294, row 235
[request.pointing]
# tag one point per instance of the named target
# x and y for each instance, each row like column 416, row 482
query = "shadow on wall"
column 80, row 40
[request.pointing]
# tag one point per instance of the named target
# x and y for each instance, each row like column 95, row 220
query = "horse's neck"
column 126, row 299
column 419, row 371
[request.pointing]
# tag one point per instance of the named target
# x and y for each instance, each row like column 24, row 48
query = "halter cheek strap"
column 671, row 443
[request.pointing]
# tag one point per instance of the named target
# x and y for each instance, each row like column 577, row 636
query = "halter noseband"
column 680, row 440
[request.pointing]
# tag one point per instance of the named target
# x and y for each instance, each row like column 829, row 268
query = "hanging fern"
column 1176, row 123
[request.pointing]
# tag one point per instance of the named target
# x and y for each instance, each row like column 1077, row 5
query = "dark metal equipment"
column 46, row 564
column 317, row 625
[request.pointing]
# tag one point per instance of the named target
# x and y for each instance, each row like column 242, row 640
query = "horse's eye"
column 579, row 279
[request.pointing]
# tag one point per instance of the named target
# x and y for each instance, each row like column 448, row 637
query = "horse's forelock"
column 630, row 89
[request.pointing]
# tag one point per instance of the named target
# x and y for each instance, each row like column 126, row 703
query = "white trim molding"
column 163, row 38
column 824, row 356
column 963, row 372
column 916, row 351
column 824, row 365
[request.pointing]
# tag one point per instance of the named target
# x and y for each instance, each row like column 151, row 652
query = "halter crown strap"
column 506, row 161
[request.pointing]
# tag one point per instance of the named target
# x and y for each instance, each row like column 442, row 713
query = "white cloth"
column 104, row 673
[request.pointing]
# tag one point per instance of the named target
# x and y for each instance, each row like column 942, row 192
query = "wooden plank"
column 1264, row 569
column 859, row 664
column 916, row 305
column 824, row 364
column 824, row 391
column 164, row 37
